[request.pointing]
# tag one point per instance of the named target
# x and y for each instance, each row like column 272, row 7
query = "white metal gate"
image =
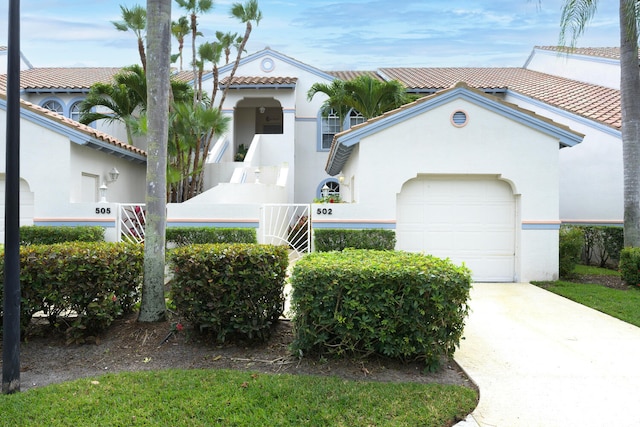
column 287, row 224
column 130, row 223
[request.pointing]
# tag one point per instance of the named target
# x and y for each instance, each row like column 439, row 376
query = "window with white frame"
column 74, row 111
column 355, row 118
column 330, row 126
column 332, row 190
column 54, row 106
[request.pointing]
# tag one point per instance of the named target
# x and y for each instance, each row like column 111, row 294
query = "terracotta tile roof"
column 62, row 78
column 183, row 76
column 89, row 131
column 260, row 81
column 587, row 100
column 602, row 52
column 349, row 75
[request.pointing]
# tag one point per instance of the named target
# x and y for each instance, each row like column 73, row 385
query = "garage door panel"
column 470, row 220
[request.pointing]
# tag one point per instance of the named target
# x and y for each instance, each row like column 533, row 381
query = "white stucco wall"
column 489, row 145
column 588, row 69
column 129, row 187
column 591, row 181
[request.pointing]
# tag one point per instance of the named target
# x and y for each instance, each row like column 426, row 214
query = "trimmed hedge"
column 183, row 236
column 630, row 266
column 230, row 289
column 401, row 305
column 327, row 240
column 96, row 280
column 571, row 242
column 49, row 235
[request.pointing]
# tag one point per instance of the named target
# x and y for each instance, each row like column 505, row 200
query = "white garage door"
column 26, row 205
column 466, row 219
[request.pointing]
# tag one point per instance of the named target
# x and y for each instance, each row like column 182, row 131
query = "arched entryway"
column 256, row 116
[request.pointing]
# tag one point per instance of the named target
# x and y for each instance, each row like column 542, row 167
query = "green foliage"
column 401, row 305
column 220, row 397
column 630, row 266
column 571, row 242
column 98, row 281
column 48, row 235
column 338, row 239
column 601, row 243
column 201, row 235
column 230, row 289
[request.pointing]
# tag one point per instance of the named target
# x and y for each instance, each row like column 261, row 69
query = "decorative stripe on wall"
column 541, row 225
column 355, row 224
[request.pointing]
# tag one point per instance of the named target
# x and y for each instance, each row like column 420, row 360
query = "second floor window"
column 330, row 126
column 54, row 106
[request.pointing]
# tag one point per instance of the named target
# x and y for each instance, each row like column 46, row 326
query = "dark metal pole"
column 11, row 307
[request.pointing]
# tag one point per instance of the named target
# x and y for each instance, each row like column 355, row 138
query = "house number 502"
column 324, row 211
column 103, row 211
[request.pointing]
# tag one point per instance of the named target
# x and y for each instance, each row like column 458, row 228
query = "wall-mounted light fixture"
column 257, row 174
column 113, row 175
column 262, row 110
column 325, row 191
column 102, row 191
column 341, row 181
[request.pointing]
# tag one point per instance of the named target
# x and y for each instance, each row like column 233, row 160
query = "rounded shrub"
column 401, row 305
column 230, row 289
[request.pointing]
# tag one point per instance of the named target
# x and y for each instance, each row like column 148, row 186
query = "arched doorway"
column 254, row 116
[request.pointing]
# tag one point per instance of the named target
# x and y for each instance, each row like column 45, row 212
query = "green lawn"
column 234, row 398
column 622, row 304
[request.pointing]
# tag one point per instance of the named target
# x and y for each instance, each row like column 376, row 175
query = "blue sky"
column 330, row 35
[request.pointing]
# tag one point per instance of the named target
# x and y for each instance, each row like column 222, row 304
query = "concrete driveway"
column 542, row 360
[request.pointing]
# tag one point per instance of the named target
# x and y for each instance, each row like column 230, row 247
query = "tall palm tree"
column 153, row 306
column 576, row 15
column 228, row 40
column 195, row 7
column 246, row 13
column 134, row 19
column 180, row 29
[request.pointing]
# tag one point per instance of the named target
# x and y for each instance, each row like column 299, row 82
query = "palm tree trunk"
column 247, row 32
column 153, row 306
column 630, row 100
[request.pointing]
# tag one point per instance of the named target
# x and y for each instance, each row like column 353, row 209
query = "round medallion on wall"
column 267, row 65
column 459, row 118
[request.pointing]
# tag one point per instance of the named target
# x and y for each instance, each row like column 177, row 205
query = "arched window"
column 355, row 118
column 54, row 106
column 333, row 185
column 74, row 111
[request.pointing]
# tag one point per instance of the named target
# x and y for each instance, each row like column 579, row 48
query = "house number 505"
column 324, row 211
column 103, row 211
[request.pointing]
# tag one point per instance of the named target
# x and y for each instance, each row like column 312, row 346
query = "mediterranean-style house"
column 483, row 168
